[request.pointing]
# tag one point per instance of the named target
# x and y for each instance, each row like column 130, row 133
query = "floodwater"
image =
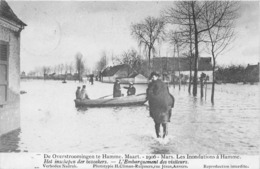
column 51, row 123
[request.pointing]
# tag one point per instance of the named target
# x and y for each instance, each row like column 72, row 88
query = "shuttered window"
column 4, row 47
column 3, row 50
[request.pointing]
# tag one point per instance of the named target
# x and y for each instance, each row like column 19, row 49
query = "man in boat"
column 83, row 93
column 117, row 89
column 160, row 103
column 131, row 89
column 78, row 93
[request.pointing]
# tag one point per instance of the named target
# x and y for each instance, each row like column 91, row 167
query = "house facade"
column 140, row 79
column 170, row 67
column 124, row 73
column 252, row 73
column 110, row 74
column 135, row 78
column 10, row 30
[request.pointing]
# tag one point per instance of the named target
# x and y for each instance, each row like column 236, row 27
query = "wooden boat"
column 118, row 101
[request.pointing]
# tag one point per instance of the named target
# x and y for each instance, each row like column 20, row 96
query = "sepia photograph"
column 129, row 77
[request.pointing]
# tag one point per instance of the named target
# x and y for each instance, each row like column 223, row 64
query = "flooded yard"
column 51, row 123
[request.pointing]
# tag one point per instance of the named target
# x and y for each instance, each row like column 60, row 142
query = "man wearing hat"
column 131, row 89
column 160, row 103
column 117, row 89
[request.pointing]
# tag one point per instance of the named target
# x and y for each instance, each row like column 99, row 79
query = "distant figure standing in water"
column 78, row 93
column 117, row 89
column 83, row 93
column 160, row 103
column 91, row 79
column 131, row 89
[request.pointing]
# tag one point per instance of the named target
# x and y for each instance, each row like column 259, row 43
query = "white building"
column 170, row 67
column 10, row 29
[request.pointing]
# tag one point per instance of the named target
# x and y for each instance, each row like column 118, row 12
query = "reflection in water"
column 82, row 109
column 9, row 142
column 51, row 123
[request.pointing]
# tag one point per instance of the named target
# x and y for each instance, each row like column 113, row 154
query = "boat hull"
column 118, row 101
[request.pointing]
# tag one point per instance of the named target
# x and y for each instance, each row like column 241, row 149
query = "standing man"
column 160, row 103
column 92, row 79
column 117, row 89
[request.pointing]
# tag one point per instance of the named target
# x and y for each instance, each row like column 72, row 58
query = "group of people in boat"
column 159, row 98
column 82, row 94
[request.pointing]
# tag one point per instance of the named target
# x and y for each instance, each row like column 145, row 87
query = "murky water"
column 51, row 123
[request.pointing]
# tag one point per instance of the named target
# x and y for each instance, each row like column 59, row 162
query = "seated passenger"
column 83, row 93
column 131, row 89
column 78, row 93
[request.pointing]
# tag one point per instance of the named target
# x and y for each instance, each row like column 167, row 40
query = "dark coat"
column 78, row 94
column 160, row 101
column 130, row 90
column 117, row 90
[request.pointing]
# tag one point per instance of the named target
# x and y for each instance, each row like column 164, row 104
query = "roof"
column 134, row 74
column 110, row 71
column 252, row 67
column 182, row 63
column 7, row 13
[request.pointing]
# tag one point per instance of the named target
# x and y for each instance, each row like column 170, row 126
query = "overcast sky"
column 56, row 31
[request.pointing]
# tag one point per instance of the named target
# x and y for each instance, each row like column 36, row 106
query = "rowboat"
column 139, row 99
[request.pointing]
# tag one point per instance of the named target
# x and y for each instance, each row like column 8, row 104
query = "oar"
column 112, row 94
column 140, row 94
column 105, row 96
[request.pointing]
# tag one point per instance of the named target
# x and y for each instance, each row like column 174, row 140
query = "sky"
column 57, row 31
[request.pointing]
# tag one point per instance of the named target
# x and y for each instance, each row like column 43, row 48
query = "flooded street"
column 51, row 123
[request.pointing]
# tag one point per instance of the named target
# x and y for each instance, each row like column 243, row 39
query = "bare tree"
column 80, row 68
column 185, row 37
column 189, row 14
column 129, row 57
column 61, row 68
column 190, row 56
column 71, row 69
column 219, row 36
column 102, row 63
column 175, row 39
column 38, row 71
column 54, row 69
column 66, row 68
column 117, row 60
column 45, row 71
column 58, row 69
column 148, row 32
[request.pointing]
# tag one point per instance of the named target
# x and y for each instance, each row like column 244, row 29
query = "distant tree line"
column 237, row 73
column 69, row 71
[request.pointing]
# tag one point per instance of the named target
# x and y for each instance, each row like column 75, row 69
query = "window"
column 4, row 47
